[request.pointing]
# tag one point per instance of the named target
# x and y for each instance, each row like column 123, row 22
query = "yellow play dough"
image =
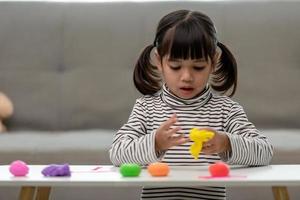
column 199, row 136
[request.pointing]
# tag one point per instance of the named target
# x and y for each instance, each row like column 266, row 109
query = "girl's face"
column 185, row 78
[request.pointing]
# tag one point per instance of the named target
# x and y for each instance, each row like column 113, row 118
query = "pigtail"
column 225, row 75
column 145, row 76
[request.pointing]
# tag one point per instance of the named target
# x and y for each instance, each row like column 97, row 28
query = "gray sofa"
column 68, row 69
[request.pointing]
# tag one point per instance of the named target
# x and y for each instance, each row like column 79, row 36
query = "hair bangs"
column 188, row 41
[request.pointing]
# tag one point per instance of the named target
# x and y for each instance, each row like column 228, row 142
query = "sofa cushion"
column 73, row 147
column 286, row 145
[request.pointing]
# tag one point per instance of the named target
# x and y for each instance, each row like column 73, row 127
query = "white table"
column 36, row 185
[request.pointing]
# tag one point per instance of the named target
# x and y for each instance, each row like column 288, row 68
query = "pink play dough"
column 18, row 168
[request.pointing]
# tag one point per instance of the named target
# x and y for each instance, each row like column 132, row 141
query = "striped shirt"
column 135, row 141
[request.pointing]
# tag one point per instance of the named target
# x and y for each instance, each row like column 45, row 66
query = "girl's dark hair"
column 186, row 34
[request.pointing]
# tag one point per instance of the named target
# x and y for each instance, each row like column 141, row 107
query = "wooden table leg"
column 280, row 193
column 27, row 193
column 43, row 193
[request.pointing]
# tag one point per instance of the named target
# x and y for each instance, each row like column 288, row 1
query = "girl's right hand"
column 166, row 136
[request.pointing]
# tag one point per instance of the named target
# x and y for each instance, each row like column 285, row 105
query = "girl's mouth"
column 187, row 89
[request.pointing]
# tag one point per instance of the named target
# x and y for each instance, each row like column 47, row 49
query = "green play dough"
column 130, row 170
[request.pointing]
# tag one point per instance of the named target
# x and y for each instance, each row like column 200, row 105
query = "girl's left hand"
column 218, row 144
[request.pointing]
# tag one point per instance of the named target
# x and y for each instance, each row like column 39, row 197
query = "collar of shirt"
column 185, row 104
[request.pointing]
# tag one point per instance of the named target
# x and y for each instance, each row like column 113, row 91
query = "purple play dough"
column 57, row 170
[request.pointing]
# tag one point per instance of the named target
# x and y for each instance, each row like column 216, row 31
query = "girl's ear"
column 157, row 60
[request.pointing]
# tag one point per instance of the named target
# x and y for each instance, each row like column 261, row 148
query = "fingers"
column 172, row 131
column 218, row 144
column 207, row 145
column 179, row 139
column 209, row 151
column 171, row 121
column 209, row 148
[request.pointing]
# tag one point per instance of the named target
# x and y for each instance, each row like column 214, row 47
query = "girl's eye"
column 198, row 68
column 175, row 67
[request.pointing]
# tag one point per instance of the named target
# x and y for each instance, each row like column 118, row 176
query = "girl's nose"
column 187, row 76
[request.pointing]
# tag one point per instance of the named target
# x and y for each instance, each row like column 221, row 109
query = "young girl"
column 176, row 74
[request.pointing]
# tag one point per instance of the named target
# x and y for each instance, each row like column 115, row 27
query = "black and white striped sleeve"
column 132, row 144
column 249, row 147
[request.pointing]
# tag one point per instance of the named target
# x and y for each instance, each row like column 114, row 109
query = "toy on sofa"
column 199, row 136
column 6, row 110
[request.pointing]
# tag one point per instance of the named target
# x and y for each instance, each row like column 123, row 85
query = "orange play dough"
column 158, row 169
